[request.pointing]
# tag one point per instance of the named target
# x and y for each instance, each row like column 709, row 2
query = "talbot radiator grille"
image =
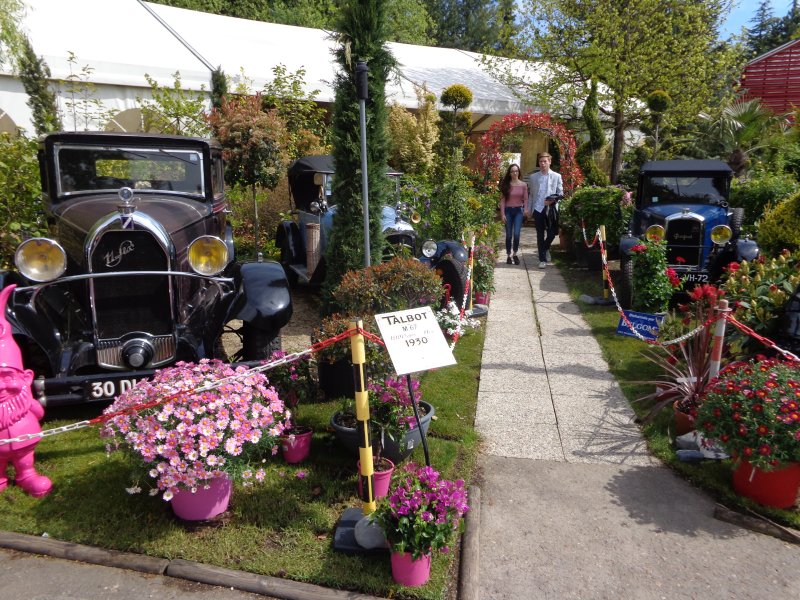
column 133, row 303
column 684, row 242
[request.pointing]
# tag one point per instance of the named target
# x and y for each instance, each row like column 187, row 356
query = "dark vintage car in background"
column 139, row 269
column 685, row 202
column 310, row 184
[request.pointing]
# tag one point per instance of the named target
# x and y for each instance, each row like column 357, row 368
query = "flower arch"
column 492, row 140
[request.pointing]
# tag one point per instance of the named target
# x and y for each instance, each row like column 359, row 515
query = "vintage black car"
column 311, row 182
column 685, row 202
column 139, row 269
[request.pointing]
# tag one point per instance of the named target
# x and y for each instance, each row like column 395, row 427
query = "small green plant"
column 759, row 291
column 484, row 260
column 653, row 282
column 780, row 227
column 760, row 190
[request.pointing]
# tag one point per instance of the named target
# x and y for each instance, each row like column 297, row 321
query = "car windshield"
column 669, row 189
column 82, row 169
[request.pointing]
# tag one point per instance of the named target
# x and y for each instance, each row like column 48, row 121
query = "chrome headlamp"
column 721, row 235
column 41, row 259
column 429, row 248
column 655, row 233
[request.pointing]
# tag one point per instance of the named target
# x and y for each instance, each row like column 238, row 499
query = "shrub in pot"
column 758, row 291
column 654, row 283
column 483, row 263
column 594, row 206
column 294, row 384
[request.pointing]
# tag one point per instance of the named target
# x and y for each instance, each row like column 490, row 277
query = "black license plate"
column 109, row 389
column 695, row 278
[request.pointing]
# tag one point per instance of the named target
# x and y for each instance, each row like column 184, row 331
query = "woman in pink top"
column 513, row 196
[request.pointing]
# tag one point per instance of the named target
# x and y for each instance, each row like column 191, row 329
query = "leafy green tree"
column 174, row 110
column 762, row 36
column 19, row 180
column 35, row 73
column 362, row 37
column 594, row 128
column 407, row 21
column 11, row 39
column 631, row 48
column 474, row 25
column 412, row 136
column 453, row 128
column 219, row 87
column 307, row 132
column 253, row 142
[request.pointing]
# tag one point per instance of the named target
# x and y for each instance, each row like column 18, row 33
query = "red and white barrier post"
column 719, row 337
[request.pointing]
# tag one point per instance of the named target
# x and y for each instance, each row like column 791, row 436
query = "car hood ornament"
column 126, row 208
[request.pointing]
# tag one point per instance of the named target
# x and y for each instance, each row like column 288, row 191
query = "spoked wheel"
column 736, row 222
column 625, row 287
column 453, row 273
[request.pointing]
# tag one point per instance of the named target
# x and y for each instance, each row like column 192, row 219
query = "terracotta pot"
column 684, row 423
column 205, row 503
column 776, row 488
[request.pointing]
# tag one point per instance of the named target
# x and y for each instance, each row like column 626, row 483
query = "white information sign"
column 414, row 340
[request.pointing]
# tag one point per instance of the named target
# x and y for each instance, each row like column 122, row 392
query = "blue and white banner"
column 645, row 324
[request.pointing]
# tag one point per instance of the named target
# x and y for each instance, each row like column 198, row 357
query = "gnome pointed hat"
column 10, row 356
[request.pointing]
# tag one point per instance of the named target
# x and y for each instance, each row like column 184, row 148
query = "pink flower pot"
column 296, row 447
column 482, row 298
column 381, row 480
column 204, row 503
column 776, row 488
column 409, row 572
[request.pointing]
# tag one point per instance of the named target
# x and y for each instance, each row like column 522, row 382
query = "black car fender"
column 626, row 242
column 450, row 248
column 264, row 300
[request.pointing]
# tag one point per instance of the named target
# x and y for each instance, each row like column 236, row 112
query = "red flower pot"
column 482, row 298
column 776, row 488
column 410, row 572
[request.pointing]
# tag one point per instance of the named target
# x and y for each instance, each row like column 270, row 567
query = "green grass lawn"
column 628, row 367
column 283, row 527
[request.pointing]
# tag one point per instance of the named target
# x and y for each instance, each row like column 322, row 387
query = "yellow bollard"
column 604, row 259
column 362, row 418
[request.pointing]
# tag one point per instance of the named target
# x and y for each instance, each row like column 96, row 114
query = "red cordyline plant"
column 202, row 430
column 686, row 368
column 423, row 512
column 753, row 410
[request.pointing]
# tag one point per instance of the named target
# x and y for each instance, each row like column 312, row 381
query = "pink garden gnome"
column 19, row 412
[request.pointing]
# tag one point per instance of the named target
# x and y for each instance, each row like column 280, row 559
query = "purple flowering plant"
column 195, row 422
column 390, row 407
column 423, row 512
column 292, row 381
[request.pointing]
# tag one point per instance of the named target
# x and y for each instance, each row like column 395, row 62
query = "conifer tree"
column 35, row 73
column 362, row 34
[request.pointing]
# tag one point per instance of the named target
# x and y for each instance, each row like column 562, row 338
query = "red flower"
column 764, row 450
column 639, row 248
column 762, row 430
column 747, row 451
column 680, row 260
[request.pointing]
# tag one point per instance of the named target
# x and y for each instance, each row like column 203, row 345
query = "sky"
column 744, row 11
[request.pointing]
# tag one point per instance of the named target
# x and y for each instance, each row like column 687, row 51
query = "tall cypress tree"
column 362, row 35
column 34, row 74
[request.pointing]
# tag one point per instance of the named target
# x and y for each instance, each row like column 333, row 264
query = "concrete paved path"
column 571, row 503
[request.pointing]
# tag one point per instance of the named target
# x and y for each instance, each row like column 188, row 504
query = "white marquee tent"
column 113, row 43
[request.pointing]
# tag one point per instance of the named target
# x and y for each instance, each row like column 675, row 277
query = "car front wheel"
column 625, row 287
column 258, row 344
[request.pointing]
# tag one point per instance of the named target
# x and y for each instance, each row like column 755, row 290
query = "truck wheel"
column 454, row 273
column 737, row 219
column 625, row 287
column 258, row 344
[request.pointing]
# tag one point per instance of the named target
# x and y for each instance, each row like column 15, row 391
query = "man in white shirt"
column 543, row 183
